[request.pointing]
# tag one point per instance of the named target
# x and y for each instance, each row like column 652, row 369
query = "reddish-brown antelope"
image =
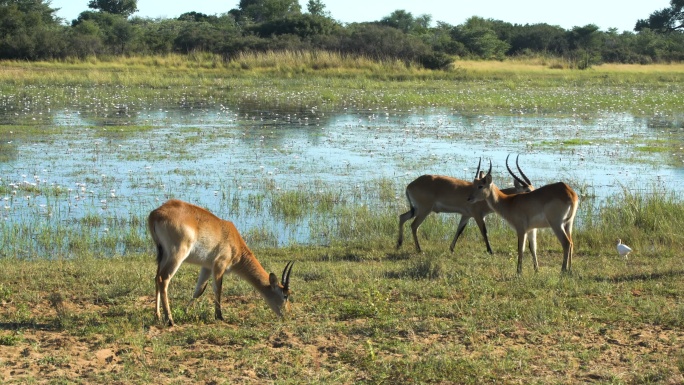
column 553, row 205
column 183, row 232
column 443, row 194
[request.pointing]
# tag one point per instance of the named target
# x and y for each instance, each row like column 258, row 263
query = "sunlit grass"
column 327, row 79
column 363, row 312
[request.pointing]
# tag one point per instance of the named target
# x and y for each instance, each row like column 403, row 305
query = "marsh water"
column 241, row 162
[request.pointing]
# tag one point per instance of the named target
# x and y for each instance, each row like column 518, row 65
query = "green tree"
column 260, row 11
column 197, row 16
column 585, row 41
column 156, row 36
column 404, row 21
column 304, row 26
column 113, row 30
column 536, row 39
column 382, row 42
column 85, row 39
column 317, row 8
column 210, row 36
column 441, row 40
column 665, row 20
column 480, row 38
column 116, row 7
column 29, row 30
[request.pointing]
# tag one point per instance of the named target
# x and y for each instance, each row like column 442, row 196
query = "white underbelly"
column 442, row 208
column 200, row 256
column 538, row 221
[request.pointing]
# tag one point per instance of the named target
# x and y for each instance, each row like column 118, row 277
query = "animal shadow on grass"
column 399, row 256
column 29, row 325
column 349, row 257
column 639, row 277
column 57, row 303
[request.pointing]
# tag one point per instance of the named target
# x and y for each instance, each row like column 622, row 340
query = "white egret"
column 623, row 249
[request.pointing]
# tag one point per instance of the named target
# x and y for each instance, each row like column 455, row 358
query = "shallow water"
column 228, row 158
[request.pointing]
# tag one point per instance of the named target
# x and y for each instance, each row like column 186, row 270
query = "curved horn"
column 490, row 168
column 285, row 280
column 529, row 183
column 477, row 172
column 522, row 182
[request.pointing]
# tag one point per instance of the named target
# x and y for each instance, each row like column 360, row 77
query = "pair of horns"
column 285, row 280
column 477, row 172
column 526, row 182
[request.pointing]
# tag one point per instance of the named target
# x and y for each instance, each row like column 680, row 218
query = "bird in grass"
column 623, row 249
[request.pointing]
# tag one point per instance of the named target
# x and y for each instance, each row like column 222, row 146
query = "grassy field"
column 363, row 312
column 293, row 80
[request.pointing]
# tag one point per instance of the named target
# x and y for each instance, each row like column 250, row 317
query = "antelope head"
column 279, row 301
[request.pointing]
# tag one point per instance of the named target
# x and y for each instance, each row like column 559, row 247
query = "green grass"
column 300, row 79
column 365, row 312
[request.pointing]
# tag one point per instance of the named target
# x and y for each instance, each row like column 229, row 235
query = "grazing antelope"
column 443, row 194
column 183, row 232
column 553, row 205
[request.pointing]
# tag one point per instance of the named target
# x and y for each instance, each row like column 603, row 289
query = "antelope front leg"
column 204, row 275
column 219, row 269
column 483, row 230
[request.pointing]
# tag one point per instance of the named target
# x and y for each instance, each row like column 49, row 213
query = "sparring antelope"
column 553, row 205
column 183, row 232
column 443, row 194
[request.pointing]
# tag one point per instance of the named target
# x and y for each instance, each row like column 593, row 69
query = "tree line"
column 30, row 30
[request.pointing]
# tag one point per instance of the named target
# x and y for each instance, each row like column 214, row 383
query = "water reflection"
column 233, row 158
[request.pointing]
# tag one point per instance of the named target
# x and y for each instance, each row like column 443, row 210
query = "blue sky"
column 620, row 14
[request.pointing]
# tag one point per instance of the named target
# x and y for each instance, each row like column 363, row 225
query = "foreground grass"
column 363, row 313
column 367, row 313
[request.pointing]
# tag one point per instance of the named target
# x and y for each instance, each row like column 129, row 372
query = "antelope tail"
column 413, row 209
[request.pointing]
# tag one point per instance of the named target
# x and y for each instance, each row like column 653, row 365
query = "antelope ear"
column 488, row 178
column 273, row 279
column 482, row 174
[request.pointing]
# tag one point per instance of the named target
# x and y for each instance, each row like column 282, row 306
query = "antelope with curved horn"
column 183, row 232
column 553, row 205
column 443, row 194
